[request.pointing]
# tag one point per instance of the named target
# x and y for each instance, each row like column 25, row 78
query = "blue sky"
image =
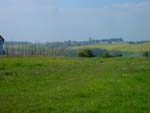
column 59, row 20
column 92, row 3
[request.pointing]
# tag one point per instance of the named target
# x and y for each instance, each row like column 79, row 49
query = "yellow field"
column 122, row 47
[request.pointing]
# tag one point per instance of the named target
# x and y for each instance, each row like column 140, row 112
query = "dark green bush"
column 110, row 54
column 98, row 52
column 116, row 53
column 4, row 52
column 146, row 54
column 107, row 55
column 85, row 53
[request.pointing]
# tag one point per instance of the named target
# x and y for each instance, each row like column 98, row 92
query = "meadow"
column 74, row 85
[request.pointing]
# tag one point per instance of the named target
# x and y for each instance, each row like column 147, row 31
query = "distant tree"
column 86, row 53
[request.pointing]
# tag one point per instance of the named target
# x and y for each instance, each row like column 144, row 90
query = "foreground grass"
column 122, row 47
column 74, row 85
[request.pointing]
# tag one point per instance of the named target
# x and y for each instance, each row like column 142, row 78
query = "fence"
column 33, row 49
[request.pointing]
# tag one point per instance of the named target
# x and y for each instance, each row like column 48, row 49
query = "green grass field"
column 74, row 85
column 121, row 47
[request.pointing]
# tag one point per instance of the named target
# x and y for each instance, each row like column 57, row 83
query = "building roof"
column 1, row 38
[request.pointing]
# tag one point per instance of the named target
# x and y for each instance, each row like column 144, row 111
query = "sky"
column 60, row 20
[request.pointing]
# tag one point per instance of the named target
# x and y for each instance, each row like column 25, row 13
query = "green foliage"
column 107, row 55
column 146, row 54
column 4, row 52
column 86, row 53
column 116, row 53
column 110, row 54
column 98, row 52
column 74, row 85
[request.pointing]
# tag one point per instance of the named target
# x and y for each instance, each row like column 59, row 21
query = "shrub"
column 146, row 54
column 86, row 53
column 4, row 52
column 116, row 53
column 98, row 52
column 110, row 54
column 107, row 55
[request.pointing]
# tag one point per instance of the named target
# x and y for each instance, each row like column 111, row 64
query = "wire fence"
column 33, row 49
